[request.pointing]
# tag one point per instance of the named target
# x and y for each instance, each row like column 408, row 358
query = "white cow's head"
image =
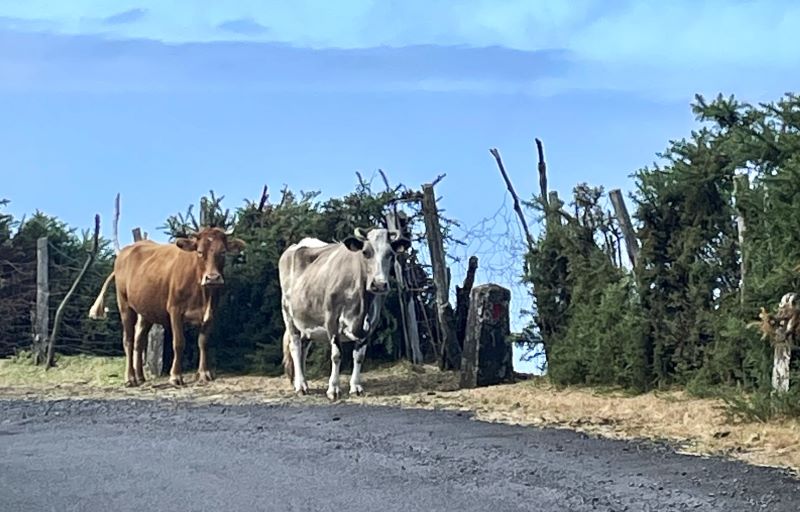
column 377, row 247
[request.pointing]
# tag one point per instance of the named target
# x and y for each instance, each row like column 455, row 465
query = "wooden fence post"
column 462, row 300
column 788, row 317
column 487, row 358
column 137, row 234
column 782, row 359
column 41, row 327
column 624, row 219
column 155, row 350
column 396, row 221
column 741, row 183
column 115, row 225
column 450, row 352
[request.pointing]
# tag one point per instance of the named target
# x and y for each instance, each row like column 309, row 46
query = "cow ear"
column 353, row 243
column 401, row 244
column 361, row 233
column 187, row 244
column 236, row 245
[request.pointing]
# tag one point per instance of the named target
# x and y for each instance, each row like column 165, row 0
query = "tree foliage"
column 67, row 251
column 681, row 317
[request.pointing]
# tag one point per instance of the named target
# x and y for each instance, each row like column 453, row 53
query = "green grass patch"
column 19, row 370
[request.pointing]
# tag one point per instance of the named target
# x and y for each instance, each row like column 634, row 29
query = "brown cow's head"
column 211, row 246
column 377, row 248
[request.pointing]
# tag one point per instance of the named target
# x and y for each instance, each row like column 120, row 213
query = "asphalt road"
column 126, row 455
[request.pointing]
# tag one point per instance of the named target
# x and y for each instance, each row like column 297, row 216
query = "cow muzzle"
column 379, row 287
column 212, row 279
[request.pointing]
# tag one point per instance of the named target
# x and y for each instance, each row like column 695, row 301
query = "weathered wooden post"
column 154, row 360
column 554, row 205
column 41, row 326
column 781, row 330
column 137, row 234
column 780, row 367
column 741, row 184
column 788, row 317
column 396, row 221
column 462, row 299
column 624, row 219
column 450, row 352
column 487, row 357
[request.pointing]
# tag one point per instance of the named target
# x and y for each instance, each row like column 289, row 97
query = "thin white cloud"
column 679, row 32
column 662, row 49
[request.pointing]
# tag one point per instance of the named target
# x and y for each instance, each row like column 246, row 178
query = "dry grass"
column 696, row 426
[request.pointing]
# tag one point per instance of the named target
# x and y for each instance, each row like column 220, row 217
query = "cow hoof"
column 176, row 381
column 333, row 393
column 301, row 389
column 204, row 376
column 131, row 383
column 140, row 380
column 357, row 390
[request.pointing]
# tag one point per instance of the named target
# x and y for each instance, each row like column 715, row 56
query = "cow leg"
column 336, row 360
column 139, row 342
column 359, row 352
column 296, row 348
column 128, row 317
column 176, row 322
column 203, row 373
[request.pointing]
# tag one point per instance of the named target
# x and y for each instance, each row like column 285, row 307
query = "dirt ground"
column 691, row 425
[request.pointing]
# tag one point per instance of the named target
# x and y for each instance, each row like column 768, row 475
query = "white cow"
column 334, row 292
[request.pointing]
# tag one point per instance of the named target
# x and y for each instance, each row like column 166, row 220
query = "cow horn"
column 360, row 233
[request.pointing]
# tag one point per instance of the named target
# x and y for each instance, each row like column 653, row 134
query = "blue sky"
column 164, row 100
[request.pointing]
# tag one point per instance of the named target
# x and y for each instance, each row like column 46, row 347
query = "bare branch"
column 496, row 154
column 264, row 198
column 385, row 179
column 542, row 172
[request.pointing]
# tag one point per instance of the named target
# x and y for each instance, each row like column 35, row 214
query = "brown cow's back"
column 150, row 277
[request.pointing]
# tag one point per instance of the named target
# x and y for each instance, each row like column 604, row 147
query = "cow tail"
column 98, row 309
column 288, row 364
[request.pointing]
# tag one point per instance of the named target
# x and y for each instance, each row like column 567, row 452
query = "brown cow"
column 168, row 284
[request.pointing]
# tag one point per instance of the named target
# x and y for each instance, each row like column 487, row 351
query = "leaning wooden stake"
column 621, row 211
column 517, row 207
column 60, row 311
column 450, row 352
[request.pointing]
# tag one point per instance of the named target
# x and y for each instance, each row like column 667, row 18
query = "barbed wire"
column 499, row 244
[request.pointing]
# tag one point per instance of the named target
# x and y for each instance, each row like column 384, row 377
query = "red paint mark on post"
column 496, row 310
